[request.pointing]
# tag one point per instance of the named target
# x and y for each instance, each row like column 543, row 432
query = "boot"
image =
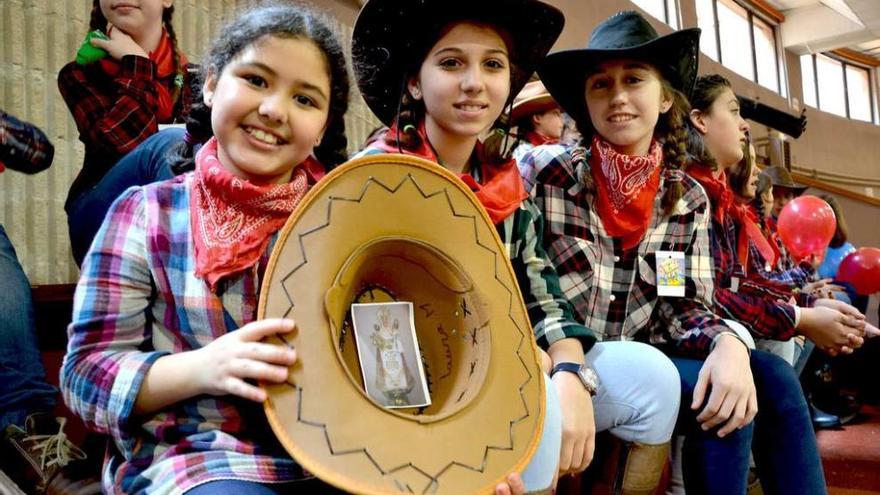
column 631, row 468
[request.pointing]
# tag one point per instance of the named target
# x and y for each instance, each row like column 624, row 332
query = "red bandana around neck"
column 626, row 188
column 163, row 57
column 723, row 204
column 233, row 219
column 537, row 139
column 501, row 190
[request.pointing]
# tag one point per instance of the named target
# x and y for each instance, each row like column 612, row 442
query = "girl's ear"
column 698, row 120
column 414, row 88
column 208, row 88
column 665, row 104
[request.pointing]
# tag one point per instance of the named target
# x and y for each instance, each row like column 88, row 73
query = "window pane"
column 808, row 79
column 706, row 22
column 829, row 72
column 733, row 21
column 654, row 7
column 765, row 53
column 672, row 9
column 857, row 83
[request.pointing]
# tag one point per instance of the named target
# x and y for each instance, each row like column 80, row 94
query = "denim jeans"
column 23, row 387
column 144, row 165
column 781, row 437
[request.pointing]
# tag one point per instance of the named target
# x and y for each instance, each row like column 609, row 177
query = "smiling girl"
column 164, row 346
column 438, row 98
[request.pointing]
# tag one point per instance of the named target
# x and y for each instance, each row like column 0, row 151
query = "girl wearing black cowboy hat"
column 461, row 65
column 629, row 234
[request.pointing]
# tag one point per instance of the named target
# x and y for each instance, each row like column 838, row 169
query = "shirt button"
column 616, row 259
column 611, row 297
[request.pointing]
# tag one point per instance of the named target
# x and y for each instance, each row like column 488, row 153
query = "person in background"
column 537, row 118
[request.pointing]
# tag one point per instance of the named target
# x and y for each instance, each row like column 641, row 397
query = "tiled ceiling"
column 822, row 25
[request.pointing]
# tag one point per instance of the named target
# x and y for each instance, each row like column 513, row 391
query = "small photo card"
column 670, row 273
column 388, row 351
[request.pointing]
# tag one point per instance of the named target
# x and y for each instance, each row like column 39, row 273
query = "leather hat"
column 533, row 99
column 388, row 228
column 392, row 37
column 625, row 35
column 780, row 177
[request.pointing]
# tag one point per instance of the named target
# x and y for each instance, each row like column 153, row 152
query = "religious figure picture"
column 389, row 354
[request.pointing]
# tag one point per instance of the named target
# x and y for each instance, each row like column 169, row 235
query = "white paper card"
column 670, row 271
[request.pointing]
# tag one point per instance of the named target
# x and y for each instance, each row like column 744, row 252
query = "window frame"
column 751, row 13
column 844, row 64
column 668, row 16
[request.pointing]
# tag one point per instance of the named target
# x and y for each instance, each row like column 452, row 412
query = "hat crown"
column 622, row 30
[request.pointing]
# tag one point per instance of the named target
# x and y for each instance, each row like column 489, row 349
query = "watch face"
column 590, row 379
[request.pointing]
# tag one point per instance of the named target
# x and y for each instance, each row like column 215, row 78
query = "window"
column 846, row 88
column 664, row 10
column 756, row 58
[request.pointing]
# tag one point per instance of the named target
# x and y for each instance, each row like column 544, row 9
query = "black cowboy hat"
column 392, row 36
column 625, row 35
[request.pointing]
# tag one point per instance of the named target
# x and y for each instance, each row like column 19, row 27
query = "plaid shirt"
column 759, row 304
column 138, row 300
column 23, row 147
column 614, row 291
column 549, row 311
column 795, row 277
column 113, row 114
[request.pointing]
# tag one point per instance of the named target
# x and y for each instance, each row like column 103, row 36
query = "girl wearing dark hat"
column 460, row 66
column 628, row 232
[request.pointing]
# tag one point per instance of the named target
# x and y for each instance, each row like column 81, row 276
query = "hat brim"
column 534, row 105
column 564, row 73
column 390, row 36
column 371, row 228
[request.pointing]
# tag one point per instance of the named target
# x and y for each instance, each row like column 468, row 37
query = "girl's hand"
column 513, row 486
column 733, row 399
column 119, row 45
column 225, row 363
column 578, row 424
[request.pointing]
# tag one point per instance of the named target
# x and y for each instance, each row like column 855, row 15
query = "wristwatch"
column 588, row 377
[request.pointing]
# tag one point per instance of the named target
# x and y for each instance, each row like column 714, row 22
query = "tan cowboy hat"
column 398, row 228
column 533, row 99
column 780, row 177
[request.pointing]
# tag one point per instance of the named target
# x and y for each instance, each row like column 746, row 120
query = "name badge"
column 670, row 273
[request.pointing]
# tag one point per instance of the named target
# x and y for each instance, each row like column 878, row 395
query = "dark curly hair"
column 740, row 174
column 282, row 20
column 670, row 130
column 706, row 90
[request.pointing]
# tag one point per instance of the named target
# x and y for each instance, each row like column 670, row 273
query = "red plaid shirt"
column 113, row 114
column 23, row 147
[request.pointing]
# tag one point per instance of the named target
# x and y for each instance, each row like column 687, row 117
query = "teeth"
column 262, row 136
column 621, row 118
column 470, row 108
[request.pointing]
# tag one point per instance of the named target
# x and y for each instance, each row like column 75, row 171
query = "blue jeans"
column 781, row 437
column 147, row 163
column 23, row 387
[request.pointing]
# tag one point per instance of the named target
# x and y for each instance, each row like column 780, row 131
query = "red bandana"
column 501, row 191
column 626, row 188
column 723, row 204
column 163, row 57
column 233, row 219
column 537, row 139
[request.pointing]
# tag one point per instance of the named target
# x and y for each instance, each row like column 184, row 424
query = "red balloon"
column 806, row 226
column 861, row 269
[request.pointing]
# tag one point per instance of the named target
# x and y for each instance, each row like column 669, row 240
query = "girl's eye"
column 494, row 64
column 633, row 79
column 450, row 63
column 598, row 84
column 305, row 100
column 255, row 80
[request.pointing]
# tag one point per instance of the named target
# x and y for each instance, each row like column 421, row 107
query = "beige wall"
column 37, row 37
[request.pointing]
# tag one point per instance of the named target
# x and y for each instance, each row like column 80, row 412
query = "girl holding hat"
column 463, row 64
column 163, row 345
column 628, row 232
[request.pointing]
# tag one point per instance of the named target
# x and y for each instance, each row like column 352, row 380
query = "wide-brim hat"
column 780, row 177
column 532, row 99
column 623, row 36
column 391, row 36
column 398, row 228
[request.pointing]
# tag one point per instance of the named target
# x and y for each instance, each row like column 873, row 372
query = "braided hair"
column 282, row 20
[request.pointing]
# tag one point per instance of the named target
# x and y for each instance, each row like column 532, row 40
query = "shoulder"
column 557, row 165
column 368, row 151
column 693, row 198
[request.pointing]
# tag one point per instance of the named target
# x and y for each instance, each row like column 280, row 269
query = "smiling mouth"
column 125, row 6
column 264, row 137
column 617, row 118
column 471, row 107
